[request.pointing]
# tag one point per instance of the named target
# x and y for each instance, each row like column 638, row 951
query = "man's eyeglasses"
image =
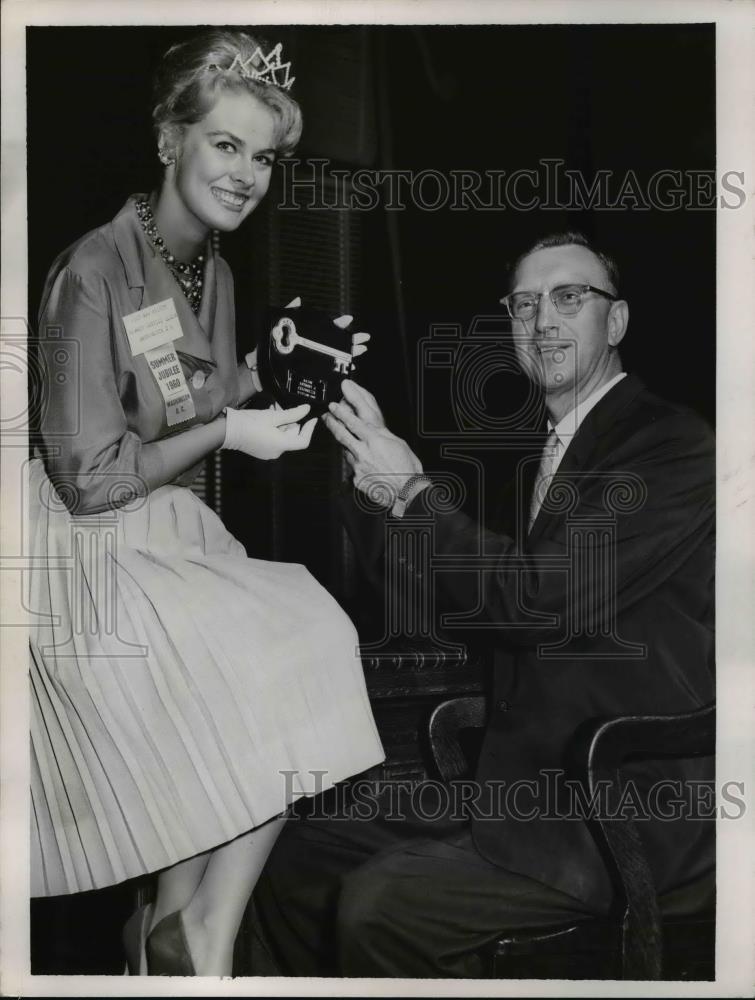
column 567, row 300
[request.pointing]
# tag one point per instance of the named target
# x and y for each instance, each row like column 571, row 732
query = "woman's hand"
column 358, row 343
column 268, row 433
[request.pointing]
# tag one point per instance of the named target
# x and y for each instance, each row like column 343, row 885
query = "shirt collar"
column 131, row 243
column 569, row 424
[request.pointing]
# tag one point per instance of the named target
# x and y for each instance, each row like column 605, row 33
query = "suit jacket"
column 617, row 582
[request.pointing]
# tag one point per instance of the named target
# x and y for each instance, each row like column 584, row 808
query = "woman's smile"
column 232, row 200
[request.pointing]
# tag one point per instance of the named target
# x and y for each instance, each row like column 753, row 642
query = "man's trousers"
column 344, row 897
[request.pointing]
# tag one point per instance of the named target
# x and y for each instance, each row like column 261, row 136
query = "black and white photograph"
column 376, row 439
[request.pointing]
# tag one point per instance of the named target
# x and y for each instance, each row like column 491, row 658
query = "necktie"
column 548, row 462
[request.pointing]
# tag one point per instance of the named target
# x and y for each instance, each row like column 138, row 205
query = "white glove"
column 267, row 433
column 358, row 340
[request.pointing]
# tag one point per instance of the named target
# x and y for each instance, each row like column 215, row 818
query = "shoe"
column 134, row 936
column 168, row 950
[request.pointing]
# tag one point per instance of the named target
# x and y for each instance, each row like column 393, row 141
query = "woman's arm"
column 94, row 460
column 249, row 383
column 165, row 460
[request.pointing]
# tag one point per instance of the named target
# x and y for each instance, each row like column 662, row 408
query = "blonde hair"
column 191, row 73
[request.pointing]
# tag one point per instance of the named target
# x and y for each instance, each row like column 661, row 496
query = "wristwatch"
column 251, row 364
column 414, row 485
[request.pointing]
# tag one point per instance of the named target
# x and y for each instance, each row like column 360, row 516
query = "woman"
column 181, row 693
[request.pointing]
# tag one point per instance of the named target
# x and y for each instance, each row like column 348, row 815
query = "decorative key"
column 286, row 338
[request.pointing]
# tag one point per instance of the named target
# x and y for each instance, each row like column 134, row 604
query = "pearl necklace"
column 189, row 276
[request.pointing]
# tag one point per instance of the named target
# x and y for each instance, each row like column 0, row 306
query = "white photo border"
column 734, row 22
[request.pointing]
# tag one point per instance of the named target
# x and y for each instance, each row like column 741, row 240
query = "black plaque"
column 303, row 357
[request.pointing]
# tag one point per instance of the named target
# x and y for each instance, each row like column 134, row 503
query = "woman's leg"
column 213, row 914
column 177, row 885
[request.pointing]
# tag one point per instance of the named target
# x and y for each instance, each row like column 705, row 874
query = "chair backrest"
column 612, row 742
column 608, row 744
column 446, row 724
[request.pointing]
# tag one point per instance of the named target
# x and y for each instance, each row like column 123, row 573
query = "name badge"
column 152, row 327
column 166, row 368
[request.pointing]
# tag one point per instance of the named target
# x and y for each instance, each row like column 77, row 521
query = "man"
column 612, row 614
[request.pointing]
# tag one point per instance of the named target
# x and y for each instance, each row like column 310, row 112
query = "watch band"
column 251, row 363
column 414, row 485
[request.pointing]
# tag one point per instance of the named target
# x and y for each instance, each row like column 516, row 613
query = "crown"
column 274, row 71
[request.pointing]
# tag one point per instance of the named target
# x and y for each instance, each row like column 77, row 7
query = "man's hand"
column 381, row 462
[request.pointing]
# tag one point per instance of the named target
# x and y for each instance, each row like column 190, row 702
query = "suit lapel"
column 579, row 456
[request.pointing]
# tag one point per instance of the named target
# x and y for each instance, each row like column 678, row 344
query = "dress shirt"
column 568, row 425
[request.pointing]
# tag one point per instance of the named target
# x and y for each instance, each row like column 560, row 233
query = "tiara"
column 274, row 71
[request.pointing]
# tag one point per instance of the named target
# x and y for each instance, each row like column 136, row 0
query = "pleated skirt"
column 181, row 693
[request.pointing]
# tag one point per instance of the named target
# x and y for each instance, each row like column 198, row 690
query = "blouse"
column 103, row 401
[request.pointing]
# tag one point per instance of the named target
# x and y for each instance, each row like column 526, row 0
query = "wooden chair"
column 644, row 937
